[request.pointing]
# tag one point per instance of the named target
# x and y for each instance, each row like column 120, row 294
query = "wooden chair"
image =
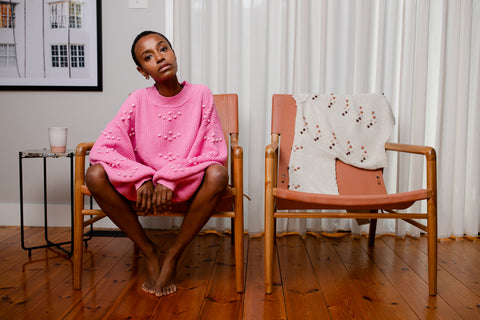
column 230, row 206
column 362, row 192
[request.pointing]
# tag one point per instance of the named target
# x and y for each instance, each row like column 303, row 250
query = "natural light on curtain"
column 423, row 55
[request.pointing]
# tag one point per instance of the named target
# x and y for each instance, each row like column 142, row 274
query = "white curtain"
column 423, row 55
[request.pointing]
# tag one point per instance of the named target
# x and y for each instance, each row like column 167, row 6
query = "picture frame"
column 51, row 45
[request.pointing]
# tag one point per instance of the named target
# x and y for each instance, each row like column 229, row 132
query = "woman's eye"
column 147, row 57
column 163, row 49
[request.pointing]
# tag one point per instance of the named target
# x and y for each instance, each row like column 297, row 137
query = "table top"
column 45, row 153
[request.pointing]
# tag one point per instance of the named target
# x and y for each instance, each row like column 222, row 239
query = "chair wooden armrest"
column 431, row 162
column 83, row 148
column 271, row 149
column 428, row 152
column 237, row 164
column 80, row 155
column 237, row 151
column 271, row 164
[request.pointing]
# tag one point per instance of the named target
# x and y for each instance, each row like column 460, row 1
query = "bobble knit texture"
column 169, row 140
column 352, row 128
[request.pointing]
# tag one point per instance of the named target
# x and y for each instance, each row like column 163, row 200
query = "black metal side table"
column 44, row 154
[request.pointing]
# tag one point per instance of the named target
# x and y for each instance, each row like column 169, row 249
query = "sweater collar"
column 175, row 101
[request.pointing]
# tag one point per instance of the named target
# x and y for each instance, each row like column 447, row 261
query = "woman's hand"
column 153, row 198
column 162, row 198
column 144, row 196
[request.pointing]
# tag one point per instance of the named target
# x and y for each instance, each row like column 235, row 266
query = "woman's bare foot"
column 152, row 265
column 165, row 284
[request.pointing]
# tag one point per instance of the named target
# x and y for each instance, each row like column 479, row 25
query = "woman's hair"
column 141, row 35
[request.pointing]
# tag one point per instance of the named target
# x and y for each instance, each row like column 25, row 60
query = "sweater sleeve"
column 209, row 148
column 115, row 150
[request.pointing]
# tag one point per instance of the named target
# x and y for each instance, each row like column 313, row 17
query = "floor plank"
column 12, row 243
column 453, row 253
column 410, row 286
column 343, row 297
column 463, row 300
column 193, row 277
column 375, row 287
column 132, row 302
column 315, row 277
column 221, row 300
column 303, row 296
column 259, row 305
column 97, row 269
column 10, row 259
column 41, row 272
column 115, row 277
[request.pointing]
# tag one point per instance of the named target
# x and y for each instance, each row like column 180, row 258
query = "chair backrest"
column 227, row 109
column 350, row 180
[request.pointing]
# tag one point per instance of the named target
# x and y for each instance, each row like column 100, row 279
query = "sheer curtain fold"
column 472, row 182
column 424, row 55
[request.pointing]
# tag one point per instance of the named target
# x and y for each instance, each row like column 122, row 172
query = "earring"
column 147, row 77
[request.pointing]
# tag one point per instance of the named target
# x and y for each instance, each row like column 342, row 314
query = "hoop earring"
column 147, row 77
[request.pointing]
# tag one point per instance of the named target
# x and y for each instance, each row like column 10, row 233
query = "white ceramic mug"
column 58, row 139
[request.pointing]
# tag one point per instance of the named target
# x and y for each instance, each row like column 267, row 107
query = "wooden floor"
column 315, row 278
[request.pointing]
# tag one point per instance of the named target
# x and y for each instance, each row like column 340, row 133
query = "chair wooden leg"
column 432, row 249
column 371, row 232
column 77, row 257
column 269, row 218
column 239, row 252
column 269, row 246
column 232, row 227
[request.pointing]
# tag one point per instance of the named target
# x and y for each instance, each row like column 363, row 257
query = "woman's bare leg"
column 200, row 210
column 117, row 208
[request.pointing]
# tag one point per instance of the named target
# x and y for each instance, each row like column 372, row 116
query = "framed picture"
column 51, row 45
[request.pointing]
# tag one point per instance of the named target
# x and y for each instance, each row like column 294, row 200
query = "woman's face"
column 156, row 57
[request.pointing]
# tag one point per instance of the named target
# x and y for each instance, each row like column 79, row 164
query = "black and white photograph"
column 50, row 45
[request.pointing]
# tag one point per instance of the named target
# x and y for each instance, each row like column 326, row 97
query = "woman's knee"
column 217, row 177
column 95, row 177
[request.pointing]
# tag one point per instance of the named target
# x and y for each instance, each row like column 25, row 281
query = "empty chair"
column 361, row 193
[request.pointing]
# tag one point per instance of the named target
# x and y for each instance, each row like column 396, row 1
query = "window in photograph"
column 65, row 12
column 77, row 56
column 7, row 56
column 75, row 15
column 7, row 14
column 60, row 56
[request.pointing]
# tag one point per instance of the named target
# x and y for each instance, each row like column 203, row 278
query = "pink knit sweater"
column 169, row 140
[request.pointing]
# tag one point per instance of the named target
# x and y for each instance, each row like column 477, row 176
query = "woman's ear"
column 140, row 69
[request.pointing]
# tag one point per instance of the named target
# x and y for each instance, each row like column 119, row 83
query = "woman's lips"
column 164, row 67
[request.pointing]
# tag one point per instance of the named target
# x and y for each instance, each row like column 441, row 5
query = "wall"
column 26, row 115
